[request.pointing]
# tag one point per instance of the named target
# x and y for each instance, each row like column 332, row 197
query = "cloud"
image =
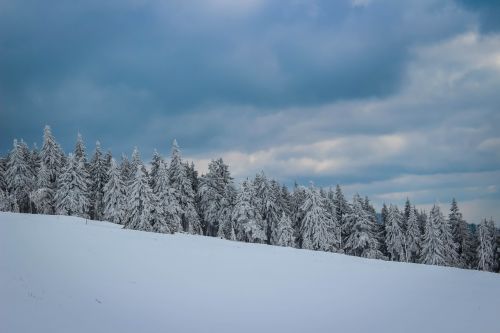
column 354, row 92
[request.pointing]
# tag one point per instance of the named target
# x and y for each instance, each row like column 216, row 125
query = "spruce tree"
column 317, row 226
column 297, row 199
column 3, row 170
column 413, row 237
column 216, row 196
column 169, row 219
column 19, row 175
column 342, row 209
column 5, row 202
column 487, row 246
column 155, row 164
column 362, row 240
column 186, row 197
column 283, row 234
column 395, row 238
column 461, row 236
column 433, row 249
column 114, row 196
column 140, row 209
column 450, row 247
column 80, row 150
column 99, row 177
column 52, row 161
column 246, row 217
column 72, row 192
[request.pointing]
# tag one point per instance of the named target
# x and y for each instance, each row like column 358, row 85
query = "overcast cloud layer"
column 393, row 99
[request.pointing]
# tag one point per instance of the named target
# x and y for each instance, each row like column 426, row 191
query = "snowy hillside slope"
column 60, row 274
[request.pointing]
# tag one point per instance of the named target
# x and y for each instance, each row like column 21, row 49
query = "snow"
column 63, row 274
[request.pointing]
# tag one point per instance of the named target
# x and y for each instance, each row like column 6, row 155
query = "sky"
column 391, row 99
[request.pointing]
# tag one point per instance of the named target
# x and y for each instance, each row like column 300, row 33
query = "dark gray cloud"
column 79, row 65
column 291, row 86
column 488, row 12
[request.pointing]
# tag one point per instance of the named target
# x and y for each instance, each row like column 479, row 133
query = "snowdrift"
column 65, row 274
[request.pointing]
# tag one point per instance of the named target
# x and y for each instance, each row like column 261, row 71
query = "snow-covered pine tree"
column 5, row 202
column 433, row 249
column 267, row 202
column 246, row 217
column 462, row 237
column 486, row 250
column 72, row 192
column 384, row 213
column 381, row 229
column 19, row 175
column 362, row 241
column 422, row 220
column 52, row 161
column 216, row 196
column 140, row 201
column 136, row 160
column 99, row 177
column 169, row 219
column 413, row 236
column 332, row 211
column 317, row 226
column 343, row 209
column 450, row 247
column 114, row 196
column 80, row 150
column 126, row 172
column 407, row 211
column 193, row 176
column 184, row 189
column 155, row 164
column 395, row 238
column 43, row 195
column 297, row 199
column 35, row 161
column 282, row 232
column 286, row 201
column 3, row 169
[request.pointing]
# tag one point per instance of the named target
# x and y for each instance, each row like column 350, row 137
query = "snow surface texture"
column 63, row 274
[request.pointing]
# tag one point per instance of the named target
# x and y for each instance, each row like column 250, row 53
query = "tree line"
column 168, row 196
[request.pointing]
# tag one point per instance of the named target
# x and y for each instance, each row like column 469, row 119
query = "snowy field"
column 59, row 274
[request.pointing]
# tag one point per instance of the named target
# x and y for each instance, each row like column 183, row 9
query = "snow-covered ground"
column 60, row 274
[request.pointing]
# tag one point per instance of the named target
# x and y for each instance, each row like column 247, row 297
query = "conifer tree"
column 395, row 238
column 5, row 203
column 343, row 209
column 52, row 161
column 362, row 241
column 72, row 192
column 487, row 246
column 297, row 198
column 216, row 196
column 155, row 164
column 140, row 209
column 19, row 175
column 169, row 219
column 433, row 249
column 186, row 198
column 282, row 233
column 98, row 180
column 450, row 247
column 317, row 226
column 246, row 217
column 462, row 237
column 114, row 196
column 3, row 170
column 413, row 236
column 80, row 150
